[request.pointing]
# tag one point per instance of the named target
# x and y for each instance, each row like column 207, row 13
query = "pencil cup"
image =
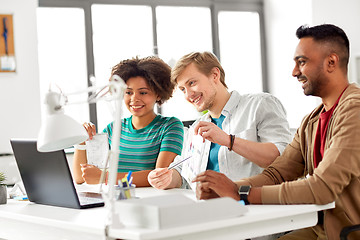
column 123, row 193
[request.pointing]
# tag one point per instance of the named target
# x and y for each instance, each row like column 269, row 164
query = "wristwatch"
column 244, row 192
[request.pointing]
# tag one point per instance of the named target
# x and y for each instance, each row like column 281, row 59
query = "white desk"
column 25, row 220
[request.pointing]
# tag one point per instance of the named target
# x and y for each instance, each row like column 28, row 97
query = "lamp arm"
column 116, row 85
column 55, row 101
column 115, row 151
column 87, row 90
column 97, row 93
column 117, row 88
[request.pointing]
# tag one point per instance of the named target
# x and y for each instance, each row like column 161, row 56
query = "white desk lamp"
column 59, row 131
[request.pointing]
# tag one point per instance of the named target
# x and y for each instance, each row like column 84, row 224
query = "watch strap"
column 244, row 192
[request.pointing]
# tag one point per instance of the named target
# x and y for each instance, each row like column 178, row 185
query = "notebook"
column 47, row 178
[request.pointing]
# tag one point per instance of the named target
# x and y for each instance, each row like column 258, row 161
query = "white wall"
column 20, row 94
column 345, row 14
column 282, row 18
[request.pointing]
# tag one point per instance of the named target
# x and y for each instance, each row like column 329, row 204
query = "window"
column 119, row 32
column 240, row 51
column 177, row 36
column 62, row 55
column 97, row 34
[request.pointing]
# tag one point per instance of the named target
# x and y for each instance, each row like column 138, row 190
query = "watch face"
column 244, row 190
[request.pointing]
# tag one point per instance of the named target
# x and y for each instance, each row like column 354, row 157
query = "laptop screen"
column 46, row 175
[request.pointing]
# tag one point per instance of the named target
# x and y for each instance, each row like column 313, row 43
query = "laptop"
column 47, row 178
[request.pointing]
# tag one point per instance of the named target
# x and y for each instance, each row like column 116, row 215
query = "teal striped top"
column 139, row 149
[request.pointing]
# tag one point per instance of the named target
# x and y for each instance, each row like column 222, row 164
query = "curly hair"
column 154, row 70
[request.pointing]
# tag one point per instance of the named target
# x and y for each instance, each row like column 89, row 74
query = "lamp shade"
column 60, row 131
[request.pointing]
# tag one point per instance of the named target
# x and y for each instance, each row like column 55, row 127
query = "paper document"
column 194, row 148
column 97, row 150
column 7, row 63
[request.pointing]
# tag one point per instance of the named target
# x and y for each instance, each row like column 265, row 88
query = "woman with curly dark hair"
column 148, row 140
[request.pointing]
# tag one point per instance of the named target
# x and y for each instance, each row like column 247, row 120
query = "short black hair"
column 331, row 34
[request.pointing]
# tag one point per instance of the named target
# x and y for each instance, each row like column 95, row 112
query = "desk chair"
column 347, row 230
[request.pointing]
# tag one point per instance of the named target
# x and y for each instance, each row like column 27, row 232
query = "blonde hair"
column 204, row 61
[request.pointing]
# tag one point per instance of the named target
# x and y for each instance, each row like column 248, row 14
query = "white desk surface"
column 23, row 219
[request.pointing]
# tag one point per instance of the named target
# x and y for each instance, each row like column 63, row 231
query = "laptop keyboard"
column 89, row 198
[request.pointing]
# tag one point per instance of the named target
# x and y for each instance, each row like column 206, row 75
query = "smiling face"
column 198, row 88
column 139, row 98
column 310, row 66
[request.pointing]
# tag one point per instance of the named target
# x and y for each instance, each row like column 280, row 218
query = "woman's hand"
column 90, row 129
column 90, row 173
column 160, row 178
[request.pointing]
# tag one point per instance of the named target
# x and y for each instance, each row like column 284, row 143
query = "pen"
column 129, row 176
column 5, row 35
column 178, row 163
column 20, row 198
